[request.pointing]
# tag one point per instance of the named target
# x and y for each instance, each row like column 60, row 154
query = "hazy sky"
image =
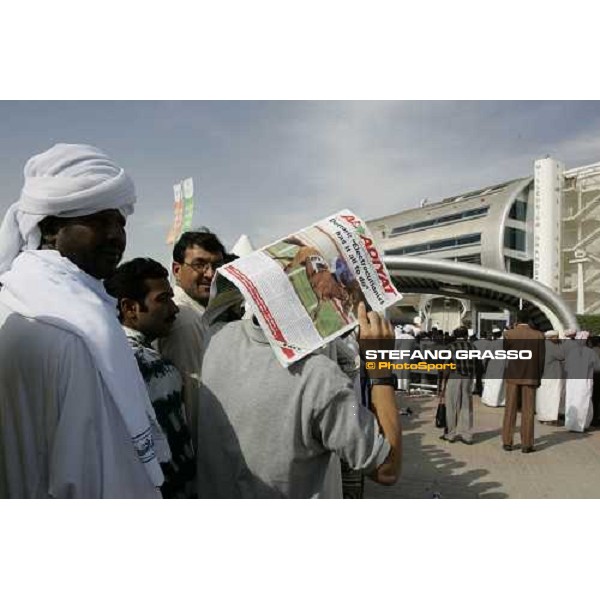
column 269, row 168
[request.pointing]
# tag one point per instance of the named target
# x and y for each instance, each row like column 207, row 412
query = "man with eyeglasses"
column 196, row 257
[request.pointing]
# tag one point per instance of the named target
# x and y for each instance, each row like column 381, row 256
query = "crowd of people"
column 559, row 385
column 113, row 384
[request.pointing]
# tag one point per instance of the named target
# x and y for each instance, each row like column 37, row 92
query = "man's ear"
column 176, row 268
column 128, row 310
column 49, row 228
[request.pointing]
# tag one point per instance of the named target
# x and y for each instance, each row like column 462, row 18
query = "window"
column 518, row 211
column 439, row 245
column 520, row 267
column 514, row 239
column 405, row 228
column 469, row 258
column 472, row 213
column 436, row 246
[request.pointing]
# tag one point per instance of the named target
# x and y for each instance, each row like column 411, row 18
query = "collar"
column 136, row 336
column 181, row 297
column 57, row 267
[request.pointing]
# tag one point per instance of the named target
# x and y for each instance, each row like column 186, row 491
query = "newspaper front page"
column 305, row 289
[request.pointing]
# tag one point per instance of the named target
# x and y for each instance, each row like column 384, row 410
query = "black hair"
column 49, row 226
column 205, row 239
column 523, row 316
column 460, row 332
column 129, row 280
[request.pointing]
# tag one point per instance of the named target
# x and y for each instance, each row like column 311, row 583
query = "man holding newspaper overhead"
column 274, row 409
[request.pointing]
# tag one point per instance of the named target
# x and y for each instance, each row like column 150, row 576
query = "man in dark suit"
column 522, row 378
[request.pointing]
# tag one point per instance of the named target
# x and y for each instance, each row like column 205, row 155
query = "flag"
column 183, row 209
column 188, row 204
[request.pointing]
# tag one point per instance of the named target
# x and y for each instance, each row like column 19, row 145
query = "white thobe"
column 407, row 342
column 493, row 392
column 61, row 434
column 548, row 399
column 184, row 347
column 580, row 364
column 493, row 382
column 550, row 395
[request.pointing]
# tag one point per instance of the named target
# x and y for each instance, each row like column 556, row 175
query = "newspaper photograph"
column 305, row 289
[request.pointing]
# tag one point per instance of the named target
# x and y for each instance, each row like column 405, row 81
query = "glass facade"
column 474, row 259
column 514, row 239
column 518, row 211
column 472, row 213
column 438, row 245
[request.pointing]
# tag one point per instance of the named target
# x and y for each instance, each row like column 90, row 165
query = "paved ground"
column 565, row 464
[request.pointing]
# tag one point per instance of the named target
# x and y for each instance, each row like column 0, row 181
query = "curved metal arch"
column 462, row 280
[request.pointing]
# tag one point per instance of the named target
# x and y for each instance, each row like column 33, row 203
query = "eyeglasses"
column 201, row 265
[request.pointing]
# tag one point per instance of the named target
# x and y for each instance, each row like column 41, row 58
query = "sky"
column 268, row 168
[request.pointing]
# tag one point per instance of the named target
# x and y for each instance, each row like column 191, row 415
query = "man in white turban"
column 75, row 418
column 580, row 364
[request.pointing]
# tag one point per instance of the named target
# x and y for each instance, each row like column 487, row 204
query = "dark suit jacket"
column 521, row 371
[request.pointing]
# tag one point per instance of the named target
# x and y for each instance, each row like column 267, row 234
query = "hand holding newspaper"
column 305, row 288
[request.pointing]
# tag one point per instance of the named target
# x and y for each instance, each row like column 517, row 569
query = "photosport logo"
column 435, row 360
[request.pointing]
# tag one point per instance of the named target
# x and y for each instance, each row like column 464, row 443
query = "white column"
column 548, row 184
column 580, row 294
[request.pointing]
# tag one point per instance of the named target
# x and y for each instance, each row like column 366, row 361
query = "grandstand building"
column 545, row 226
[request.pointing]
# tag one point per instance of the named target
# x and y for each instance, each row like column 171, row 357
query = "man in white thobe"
column 580, row 364
column 550, row 395
column 493, row 382
column 75, row 417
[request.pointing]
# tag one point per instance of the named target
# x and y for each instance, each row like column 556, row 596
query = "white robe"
column 578, row 404
column 551, row 394
column 493, row 392
column 404, row 341
column 493, row 382
column 548, row 399
column 61, row 435
column 580, row 364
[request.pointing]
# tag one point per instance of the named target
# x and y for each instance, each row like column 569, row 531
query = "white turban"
column 68, row 180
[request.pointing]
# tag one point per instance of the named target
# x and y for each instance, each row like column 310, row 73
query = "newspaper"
column 305, row 289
